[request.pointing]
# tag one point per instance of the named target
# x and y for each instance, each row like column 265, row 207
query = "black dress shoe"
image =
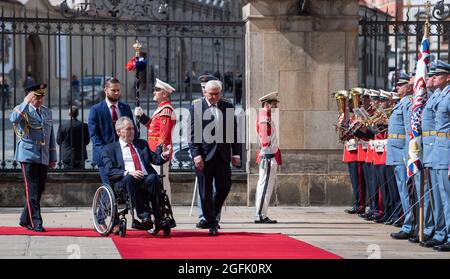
column 351, row 211
column 397, row 224
column 39, row 228
column 361, row 211
column 202, row 224
column 443, row 247
column 414, row 239
column 266, row 221
column 431, row 243
column 214, row 231
column 400, row 235
column 145, row 225
column 28, row 226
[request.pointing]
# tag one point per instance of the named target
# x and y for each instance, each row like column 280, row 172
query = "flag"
column 419, row 100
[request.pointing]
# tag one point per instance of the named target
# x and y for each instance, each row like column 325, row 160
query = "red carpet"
column 196, row 244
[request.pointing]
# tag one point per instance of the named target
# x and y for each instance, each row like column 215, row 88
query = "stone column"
column 304, row 58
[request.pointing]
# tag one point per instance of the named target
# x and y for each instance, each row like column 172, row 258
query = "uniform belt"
column 428, row 133
column 397, row 136
column 443, row 134
column 37, row 142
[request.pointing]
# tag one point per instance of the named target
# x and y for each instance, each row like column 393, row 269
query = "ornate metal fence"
column 74, row 51
column 388, row 45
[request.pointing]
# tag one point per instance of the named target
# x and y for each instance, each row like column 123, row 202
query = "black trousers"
column 220, row 171
column 356, row 172
column 34, row 176
column 140, row 191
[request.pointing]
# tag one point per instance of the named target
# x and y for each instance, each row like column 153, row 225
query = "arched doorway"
column 33, row 60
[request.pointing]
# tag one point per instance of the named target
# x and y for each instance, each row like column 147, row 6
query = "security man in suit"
column 213, row 147
column 73, row 137
column 268, row 157
column 160, row 125
column 395, row 155
column 102, row 118
column 441, row 149
column 428, row 142
column 35, row 150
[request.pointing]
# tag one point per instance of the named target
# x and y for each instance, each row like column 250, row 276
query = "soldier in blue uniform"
column 428, row 140
column 396, row 151
column 35, row 151
column 441, row 149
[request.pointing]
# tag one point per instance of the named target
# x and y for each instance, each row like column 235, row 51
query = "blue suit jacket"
column 101, row 128
column 112, row 158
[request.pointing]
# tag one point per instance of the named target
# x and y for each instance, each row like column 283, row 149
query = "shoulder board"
column 227, row 100
column 166, row 112
column 196, row 100
column 165, row 107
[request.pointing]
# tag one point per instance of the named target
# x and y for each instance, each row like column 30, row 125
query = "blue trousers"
column 401, row 178
column 444, row 189
column 438, row 210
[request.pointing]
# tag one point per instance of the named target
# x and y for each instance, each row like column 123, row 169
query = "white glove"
column 138, row 111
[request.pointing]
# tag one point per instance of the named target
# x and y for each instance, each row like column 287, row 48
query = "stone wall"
column 77, row 189
column 304, row 58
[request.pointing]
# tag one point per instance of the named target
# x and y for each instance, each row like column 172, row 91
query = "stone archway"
column 34, row 58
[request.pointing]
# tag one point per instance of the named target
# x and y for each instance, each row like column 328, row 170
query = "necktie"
column 38, row 112
column 114, row 113
column 137, row 164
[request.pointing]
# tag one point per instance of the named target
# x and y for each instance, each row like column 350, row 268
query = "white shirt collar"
column 110, row 104
column 123, row 144
column 209, row 104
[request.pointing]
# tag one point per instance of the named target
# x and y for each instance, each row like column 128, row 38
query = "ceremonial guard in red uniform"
column 160, row 125
column 268, row 157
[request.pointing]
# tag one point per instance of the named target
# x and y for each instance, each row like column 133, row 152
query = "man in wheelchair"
column 128, row 166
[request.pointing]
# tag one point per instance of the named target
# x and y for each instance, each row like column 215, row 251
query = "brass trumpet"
column 356, row 96
column 341, row 99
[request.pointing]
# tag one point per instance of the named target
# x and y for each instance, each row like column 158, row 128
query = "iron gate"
column 75, row 51
column 388, row 45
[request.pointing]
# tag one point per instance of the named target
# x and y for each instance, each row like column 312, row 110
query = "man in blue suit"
column 128, row 163
column 212, row 145
column 102, row 119
column 35, row 151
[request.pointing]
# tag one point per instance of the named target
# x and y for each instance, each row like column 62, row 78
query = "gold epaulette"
column 196, row 100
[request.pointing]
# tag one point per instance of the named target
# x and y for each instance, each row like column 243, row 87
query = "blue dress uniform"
column 428, row 140
column 35, row 150
column 428, row 228
column 441, row 157
column 395, row 156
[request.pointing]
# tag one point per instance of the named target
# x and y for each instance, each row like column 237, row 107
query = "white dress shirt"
column 128, row 159
column 109, row 104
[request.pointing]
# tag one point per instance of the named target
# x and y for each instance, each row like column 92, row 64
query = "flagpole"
column 137, row 47
column 422, row 173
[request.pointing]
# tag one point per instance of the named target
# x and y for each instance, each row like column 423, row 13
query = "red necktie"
column 137, row 164
column 114, row 113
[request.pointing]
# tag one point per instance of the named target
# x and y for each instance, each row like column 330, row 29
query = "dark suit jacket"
column 101, row 128
column 113, row 158
column 73, row 136
column 198, row 145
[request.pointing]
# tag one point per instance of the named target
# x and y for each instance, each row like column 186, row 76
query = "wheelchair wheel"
column 167, row 232
column 104, row 210
column 123, row 227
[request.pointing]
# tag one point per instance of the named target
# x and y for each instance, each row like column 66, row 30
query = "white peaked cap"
column 273, row 96
column 164, row 86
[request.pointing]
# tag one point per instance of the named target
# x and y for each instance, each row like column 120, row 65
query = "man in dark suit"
column 73, row 136
column 128, row 163
column 213, row 146
column 102, row 119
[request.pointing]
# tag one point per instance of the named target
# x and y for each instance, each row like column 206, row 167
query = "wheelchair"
column 111, row 205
